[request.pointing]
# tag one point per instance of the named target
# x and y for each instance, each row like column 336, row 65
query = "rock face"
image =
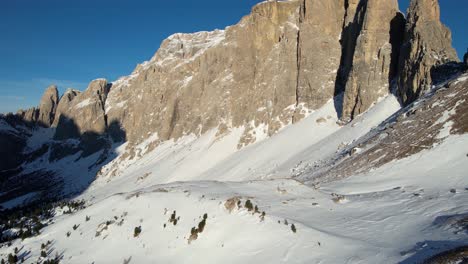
column 84, row 112
column 244, row 76
column 319, row 52
column 465, row 58
column 265, row 72
column 375, row 56
column 48, row 106
column 64, row 104
column 427, row 44
column 30, row 115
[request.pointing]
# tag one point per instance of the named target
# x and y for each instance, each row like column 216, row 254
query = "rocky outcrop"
column 244, row 76
column 44, row 114
column 83, row 112
column 30, row 115
column 282, row 61
column 465, row 58
column 48, row 106
column 375, row 55
column 65, row 104
column 319, row 52
column 267, row 71
column 427, row 44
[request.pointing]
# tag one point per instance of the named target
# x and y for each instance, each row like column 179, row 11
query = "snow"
column 39, row 137
column 83, row 103
column 382, row 220
column 5, row 127
column 393, row 214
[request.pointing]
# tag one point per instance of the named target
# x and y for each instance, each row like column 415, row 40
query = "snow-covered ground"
column 401, row 212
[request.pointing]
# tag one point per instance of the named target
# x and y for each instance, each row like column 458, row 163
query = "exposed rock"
column 48, row 106
column 465, row 58
column 243, row 76
column 64, row 104
column 319, row 52
column 375, row 56
column 30, row 115
column 84, row 112
column 427, row 43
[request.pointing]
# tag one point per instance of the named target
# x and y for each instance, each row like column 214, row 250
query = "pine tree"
column 249, row 205
column 293, row 228
column 137, row 231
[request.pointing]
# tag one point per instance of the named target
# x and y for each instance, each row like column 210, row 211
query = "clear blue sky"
column 71, row 42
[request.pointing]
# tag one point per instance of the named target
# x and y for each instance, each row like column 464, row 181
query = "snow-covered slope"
column 390, row 215
column 403, row 211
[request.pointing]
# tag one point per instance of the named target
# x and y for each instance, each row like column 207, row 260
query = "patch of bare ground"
column 457, row 255
column 418, row 127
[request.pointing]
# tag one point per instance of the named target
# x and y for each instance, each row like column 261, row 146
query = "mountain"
column 342, row 121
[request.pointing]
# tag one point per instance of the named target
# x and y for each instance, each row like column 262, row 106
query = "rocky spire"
column 375, row 56
column 427, row 43
column 48, row 106
column 65, row 104
column 83, row 112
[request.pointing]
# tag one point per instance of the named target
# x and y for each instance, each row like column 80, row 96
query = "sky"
column 69, row 43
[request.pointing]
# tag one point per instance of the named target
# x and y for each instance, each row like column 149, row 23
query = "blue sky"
column 69, row 43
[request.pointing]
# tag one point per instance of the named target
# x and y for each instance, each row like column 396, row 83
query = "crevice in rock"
column 349, row 36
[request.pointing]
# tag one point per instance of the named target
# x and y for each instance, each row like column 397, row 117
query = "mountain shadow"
column 62, row 167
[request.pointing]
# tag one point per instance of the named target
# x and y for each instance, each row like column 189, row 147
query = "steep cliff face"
column 84, row 112
column 319, row 51
column 427, row 44
column 375, row 55
column 245, row 75
column 64, row 104
column 48, row 106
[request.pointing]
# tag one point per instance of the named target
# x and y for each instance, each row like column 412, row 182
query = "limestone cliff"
column 375, row 56
column 84, row 113
column 427, row 44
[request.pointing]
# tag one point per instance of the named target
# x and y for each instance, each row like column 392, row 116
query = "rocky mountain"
column 284, row 60
column 335, row 111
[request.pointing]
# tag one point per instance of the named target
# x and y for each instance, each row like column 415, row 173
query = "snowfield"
column 402, row 212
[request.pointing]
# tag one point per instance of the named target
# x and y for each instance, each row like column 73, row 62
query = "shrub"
column 12, row 259
column 137, row 231
column 201, row 226
column 249, row 205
